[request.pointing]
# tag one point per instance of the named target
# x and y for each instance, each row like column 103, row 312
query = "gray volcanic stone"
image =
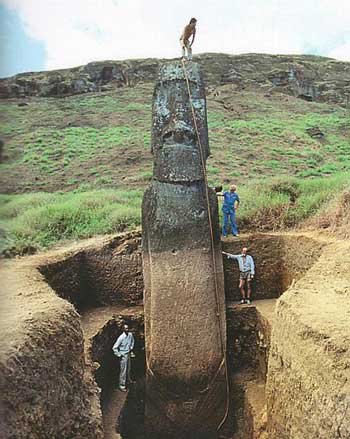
column 185, row 323
column 306, row 76
column 174, row 140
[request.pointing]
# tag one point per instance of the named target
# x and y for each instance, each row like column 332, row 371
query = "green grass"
column 40, row 220
column 275, row 139
column 278, row 203
column 79, row 163
column 53, row 144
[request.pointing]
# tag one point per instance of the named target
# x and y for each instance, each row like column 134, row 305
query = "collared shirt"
column 245, row 263
column 229, row 201
column 124, row 344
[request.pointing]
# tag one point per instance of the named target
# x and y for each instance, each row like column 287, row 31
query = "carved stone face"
column 175, row 144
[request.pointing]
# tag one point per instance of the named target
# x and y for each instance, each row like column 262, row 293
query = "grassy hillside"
column 104, row 139
column 37, row 220
column 89, row 157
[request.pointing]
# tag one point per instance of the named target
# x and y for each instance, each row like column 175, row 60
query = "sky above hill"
column 51, row 34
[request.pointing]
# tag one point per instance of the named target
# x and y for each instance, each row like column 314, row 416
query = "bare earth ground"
column 326, row 312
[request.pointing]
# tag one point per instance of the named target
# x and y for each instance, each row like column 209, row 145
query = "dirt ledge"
column 308, row 386
column 43, row 382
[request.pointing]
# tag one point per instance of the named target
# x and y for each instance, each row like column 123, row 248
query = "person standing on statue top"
column 229, row 207
column 246, row 273
column 123, row 349
column 190, row 30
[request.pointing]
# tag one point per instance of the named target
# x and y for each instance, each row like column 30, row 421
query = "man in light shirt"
column 123, row 349
column 246, row 273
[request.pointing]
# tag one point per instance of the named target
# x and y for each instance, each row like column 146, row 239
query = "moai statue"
column 185, row 321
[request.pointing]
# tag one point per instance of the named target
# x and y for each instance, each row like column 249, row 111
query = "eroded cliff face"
column 183, row 272
column 309, row 77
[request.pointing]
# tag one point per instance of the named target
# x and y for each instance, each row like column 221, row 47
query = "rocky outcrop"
column 308, row 77
column 183, row 273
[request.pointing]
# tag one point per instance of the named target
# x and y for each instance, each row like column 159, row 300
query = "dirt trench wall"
column 114, row 271
column 279, row 259
column 106, row 272
column 110, row 271
column 248, row 336
column 308, row 386
column 43, row 387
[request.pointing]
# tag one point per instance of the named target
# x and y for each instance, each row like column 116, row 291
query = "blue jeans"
column 230, row 216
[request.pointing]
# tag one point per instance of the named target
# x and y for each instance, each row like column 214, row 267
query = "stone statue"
column 185, row 322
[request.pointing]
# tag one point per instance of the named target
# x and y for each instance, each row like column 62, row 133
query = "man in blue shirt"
column 122, row 348
column 231, row 203
column 246, row 272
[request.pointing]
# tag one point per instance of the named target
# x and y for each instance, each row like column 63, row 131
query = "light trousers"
column 124, row 373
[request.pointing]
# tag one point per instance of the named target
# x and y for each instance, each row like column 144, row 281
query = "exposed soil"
column 49, row 364
column 309, row 364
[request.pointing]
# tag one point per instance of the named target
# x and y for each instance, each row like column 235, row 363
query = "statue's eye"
column 167, row 136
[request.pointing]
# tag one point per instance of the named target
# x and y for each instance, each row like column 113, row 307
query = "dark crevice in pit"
column 248, row 341
column 107, row 374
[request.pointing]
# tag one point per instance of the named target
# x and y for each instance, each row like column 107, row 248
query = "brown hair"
column 193, row 20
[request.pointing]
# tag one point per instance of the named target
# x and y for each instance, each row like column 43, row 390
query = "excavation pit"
column 77, row 376
column 111, row 275
column 248, row 335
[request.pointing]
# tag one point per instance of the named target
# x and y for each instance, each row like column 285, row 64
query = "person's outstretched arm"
column 230, row 256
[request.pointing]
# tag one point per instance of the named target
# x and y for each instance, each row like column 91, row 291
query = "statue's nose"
column 180, row 136
column 179, row 133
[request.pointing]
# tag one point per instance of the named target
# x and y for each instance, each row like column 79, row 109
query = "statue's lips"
column 178, row 162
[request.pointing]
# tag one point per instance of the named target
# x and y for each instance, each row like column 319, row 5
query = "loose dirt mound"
column 43, row 381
